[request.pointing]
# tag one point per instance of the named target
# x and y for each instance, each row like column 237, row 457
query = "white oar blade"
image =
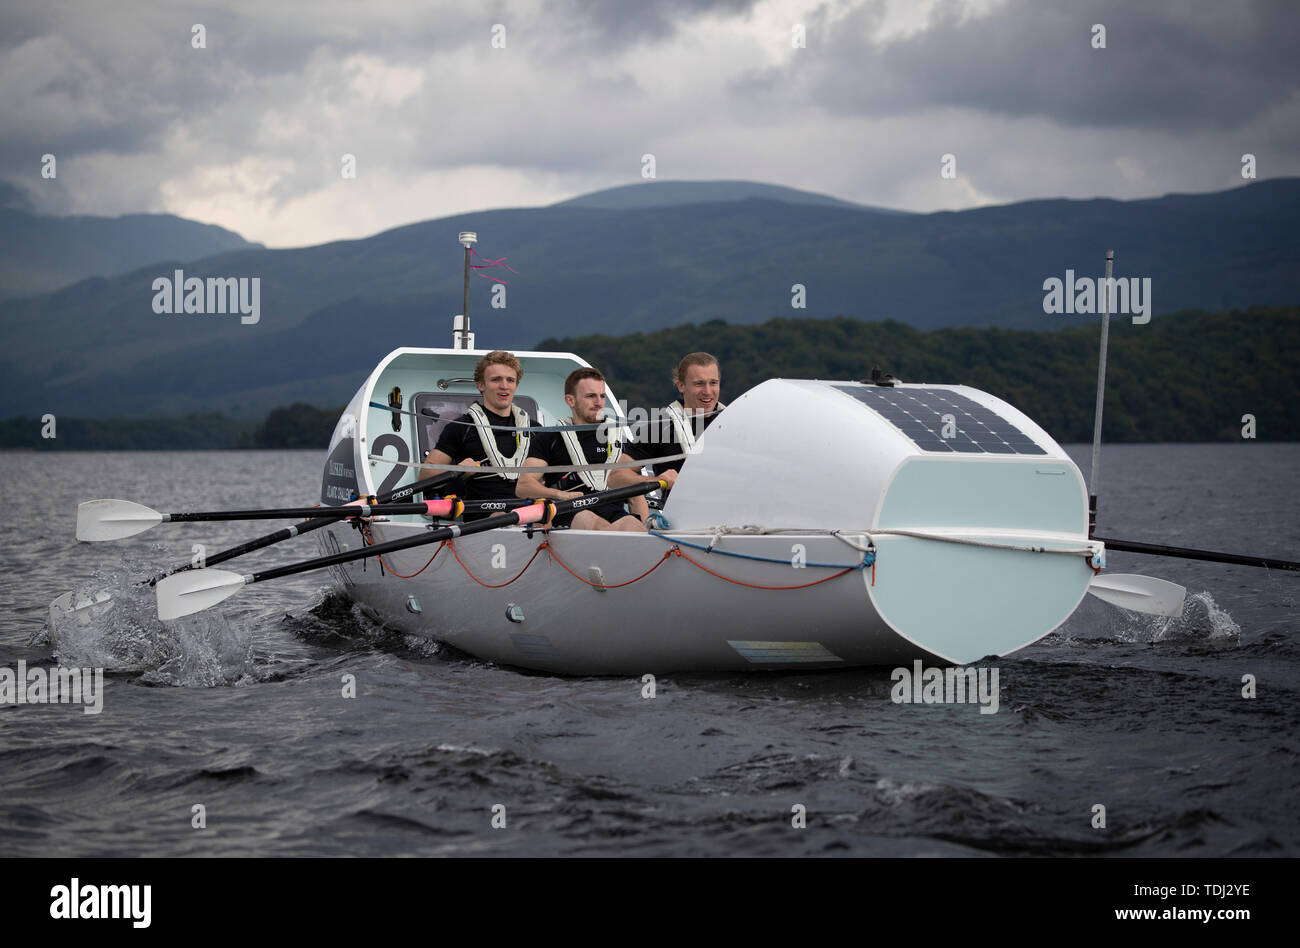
column 183, row 594
column 81, row 608
column 1155, row 597
column 113, row 519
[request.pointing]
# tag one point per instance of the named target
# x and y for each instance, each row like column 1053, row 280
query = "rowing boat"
column 940, row 524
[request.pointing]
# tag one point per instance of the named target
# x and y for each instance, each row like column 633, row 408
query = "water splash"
column 1096, row 624
column 205, row 651
column 111, row 622
column 1202, row 621
column 107, row 624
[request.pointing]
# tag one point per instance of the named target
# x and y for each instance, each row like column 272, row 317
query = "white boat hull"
column 679, row 617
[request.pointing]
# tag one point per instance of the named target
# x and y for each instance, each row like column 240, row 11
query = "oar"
column 1212, row 556
column 184, row 594
column 67, row 604
column 1146, row 594
column 99, row 520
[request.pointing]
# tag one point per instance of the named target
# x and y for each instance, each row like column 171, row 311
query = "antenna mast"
column 1101, row 394
column 461, row 337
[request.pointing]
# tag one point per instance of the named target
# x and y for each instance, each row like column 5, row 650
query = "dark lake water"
column 240, row 710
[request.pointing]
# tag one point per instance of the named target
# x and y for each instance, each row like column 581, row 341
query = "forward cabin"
column 395, row 418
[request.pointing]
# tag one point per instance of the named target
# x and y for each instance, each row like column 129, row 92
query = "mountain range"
column 41, row 253
column 634, row 261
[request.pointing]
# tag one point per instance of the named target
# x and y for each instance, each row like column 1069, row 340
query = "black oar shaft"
column 295, row 513
column 1154, row 549
column 437, row 480
column 453, row 531
column 392, row 546
column 251, row 545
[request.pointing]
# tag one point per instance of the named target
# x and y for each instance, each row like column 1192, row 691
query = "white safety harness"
column 489, row 439
column 685, row 429
column 595, row 480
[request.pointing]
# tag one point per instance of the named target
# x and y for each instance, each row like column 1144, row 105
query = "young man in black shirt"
column 483, row 434
column 699, row 380
column 584, row 393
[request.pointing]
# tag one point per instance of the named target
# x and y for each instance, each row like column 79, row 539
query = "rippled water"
column 240, row 709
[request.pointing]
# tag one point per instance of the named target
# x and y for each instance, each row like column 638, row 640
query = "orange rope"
column 548, row 546
column 418, row 571
column 370, row 541
column 498, row 585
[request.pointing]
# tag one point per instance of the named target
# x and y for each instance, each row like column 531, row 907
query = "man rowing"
column 699, row 380
column 584, row 393
column 488, row 433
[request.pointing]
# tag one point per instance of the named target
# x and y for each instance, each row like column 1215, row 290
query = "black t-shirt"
column 459, row 440
column 655, row 440
column 549, row 447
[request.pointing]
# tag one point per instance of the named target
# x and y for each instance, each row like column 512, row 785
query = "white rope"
column 843, row 539
column 531, row 469
column 965, row 541
column 718, row 531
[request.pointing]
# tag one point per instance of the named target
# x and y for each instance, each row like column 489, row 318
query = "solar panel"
column 919, row 414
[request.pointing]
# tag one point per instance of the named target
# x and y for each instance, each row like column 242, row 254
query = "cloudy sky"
column 455, row 106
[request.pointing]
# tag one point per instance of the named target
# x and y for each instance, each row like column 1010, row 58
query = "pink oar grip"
column 439, row 508
column 532, row 513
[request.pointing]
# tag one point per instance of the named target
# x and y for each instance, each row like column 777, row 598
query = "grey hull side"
column 678, row 618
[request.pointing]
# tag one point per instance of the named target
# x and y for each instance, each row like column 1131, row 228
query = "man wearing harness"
column 483, row 434
column 584, row 393
column 699, row 381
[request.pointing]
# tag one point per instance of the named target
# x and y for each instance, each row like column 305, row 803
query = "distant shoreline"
column 1191, row 377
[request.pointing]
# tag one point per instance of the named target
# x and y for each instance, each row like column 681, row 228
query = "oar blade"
column 80, row 607
column 183, row 594
column 1145, row 594
column 113, row 519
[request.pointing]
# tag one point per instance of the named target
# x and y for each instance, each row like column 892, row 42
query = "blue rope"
column 868, row 558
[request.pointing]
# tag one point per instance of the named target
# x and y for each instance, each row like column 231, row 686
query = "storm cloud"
column 450, row 107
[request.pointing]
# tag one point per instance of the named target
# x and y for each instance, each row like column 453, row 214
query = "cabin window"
column 449, row 406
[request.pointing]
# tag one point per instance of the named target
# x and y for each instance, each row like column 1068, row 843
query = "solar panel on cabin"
column 918, row 413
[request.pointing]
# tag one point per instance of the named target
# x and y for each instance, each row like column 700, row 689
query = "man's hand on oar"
column 183, row 594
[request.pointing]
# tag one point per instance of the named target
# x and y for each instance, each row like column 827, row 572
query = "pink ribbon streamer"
column 489, row 264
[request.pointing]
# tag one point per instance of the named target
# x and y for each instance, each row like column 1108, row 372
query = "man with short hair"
column 584, row 393
column 699, row 380
column 486, row 434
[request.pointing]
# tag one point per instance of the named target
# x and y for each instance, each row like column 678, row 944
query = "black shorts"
column 613, row 512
